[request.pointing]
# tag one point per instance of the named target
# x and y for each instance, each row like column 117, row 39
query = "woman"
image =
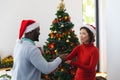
column 87, row 55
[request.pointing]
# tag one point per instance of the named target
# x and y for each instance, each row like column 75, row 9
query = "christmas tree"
column 62, row 40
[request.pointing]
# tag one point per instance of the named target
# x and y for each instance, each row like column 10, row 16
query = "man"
column 28, row 60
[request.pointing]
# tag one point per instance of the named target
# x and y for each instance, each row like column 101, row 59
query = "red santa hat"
column 91, row 28
column 27, row 26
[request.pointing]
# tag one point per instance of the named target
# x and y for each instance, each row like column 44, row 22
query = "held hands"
column 63, row 56
column 68, row 62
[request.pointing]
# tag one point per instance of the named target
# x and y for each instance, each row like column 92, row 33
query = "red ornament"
column 72, row 72
column 63, row 48
column 58, row 35
column 55, row 21
column 68, row 18
column 51, row 46
column 60, row 19
column 71, row 30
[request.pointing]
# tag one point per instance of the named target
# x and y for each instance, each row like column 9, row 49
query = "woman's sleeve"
column 72, row 54
column 93, row 62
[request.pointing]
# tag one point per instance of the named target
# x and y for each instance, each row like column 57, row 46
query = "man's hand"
column 63, row 56
column 68, row 62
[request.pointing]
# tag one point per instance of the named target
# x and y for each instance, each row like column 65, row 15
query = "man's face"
column 36, row 34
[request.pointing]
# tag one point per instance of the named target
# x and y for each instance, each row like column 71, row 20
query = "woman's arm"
column 93, row 62
column 73, row 53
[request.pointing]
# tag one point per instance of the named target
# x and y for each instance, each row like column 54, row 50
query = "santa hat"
column 91, row 28
column 27, row 26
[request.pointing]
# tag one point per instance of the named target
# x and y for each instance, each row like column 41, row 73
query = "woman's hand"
column 68, row 62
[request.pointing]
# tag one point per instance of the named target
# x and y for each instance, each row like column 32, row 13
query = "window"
column 90, row 16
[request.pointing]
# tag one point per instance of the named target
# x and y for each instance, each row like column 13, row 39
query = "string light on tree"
column 67, row 41
column 62, row 25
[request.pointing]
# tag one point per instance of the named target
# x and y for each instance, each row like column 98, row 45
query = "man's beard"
column 36, row 37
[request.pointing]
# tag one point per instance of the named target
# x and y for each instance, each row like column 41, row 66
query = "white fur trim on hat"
column 90, row 28
column 31, row 27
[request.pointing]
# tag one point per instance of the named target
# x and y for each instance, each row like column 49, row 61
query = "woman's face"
column 84, row 37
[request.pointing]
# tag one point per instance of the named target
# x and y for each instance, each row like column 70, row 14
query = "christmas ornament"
column 46, row 76
column 61, row 6
column 47, row 52
column 72, row 72
column 62, row 48
column 55, row 31
column 63, row 34
column 67, row 40
column 59, row 35
column 71, row 44
column 59, row 16
column 60, row 19
column 55, row 21
column 56, row 52
column 69, row 36
column 71, row 30
column 51, row 35
column 68, row 32
column 59, row 39
column 66, row 17
column 62, row 70
column 62, row 25
column 51, row 46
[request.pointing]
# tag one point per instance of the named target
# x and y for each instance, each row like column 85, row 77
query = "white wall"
column 13, row 11
column 113, row 39
column 102, row 36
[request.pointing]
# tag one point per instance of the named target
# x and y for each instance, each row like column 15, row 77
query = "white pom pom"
column 19, row 40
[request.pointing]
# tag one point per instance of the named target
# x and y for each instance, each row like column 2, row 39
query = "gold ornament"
column 66, row 17
column 61, row 5
column 71, row 44
column 55, row 31
column 68, row 32
column 63, row 34
column 59, row 39
column 56, row 52
column 67, row 40
column 62, row 70
column 62, row 25
column 51, row 35
column 69, row 36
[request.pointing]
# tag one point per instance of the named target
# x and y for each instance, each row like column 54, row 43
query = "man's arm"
column 40, row 63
